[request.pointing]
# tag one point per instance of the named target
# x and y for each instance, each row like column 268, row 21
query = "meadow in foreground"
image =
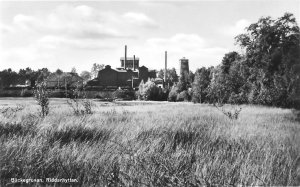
column 149, row 144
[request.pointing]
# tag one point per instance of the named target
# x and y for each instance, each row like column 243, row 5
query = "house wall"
column 123, row 77
column 108, row 76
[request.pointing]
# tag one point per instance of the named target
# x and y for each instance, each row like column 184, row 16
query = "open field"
column 149, row 144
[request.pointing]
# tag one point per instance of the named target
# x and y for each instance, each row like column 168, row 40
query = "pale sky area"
column 66, row 34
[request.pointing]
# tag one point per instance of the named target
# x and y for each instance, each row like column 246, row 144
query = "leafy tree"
column 149, row 91
column 218, row 90
column 42, row 74
column 237, row 81
column 141, row 90
column 200, row 84
column 95, row 69
column 191, row 77
column 85, row 75
column 228, row 60
column 22, row 76
column 183, row 96
column 8, row 77
column 172, row 76
column 183, row 83
column 173, row 93
column 229, row 84
column 28, row 74
column 272, row 52
column 73, row 70
column 58, row 72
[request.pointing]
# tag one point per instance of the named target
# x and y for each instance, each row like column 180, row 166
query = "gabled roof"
column 63, row 76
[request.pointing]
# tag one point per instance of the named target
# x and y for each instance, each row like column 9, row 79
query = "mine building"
column 130, row 63
column 127, row 76
column 109, row 78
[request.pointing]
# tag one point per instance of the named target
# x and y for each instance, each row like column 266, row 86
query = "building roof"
column 120, row 70
column 54, row 76
column 130, row 58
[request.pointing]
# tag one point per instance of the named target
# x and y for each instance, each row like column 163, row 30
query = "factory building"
column 128, row 76
column 131, row 63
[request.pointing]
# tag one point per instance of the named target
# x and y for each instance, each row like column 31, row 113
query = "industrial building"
column 127, row 76
column 130, row 63
column 184, row 66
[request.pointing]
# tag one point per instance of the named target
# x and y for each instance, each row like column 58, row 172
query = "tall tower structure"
column 184, row 66
column 165, row 72
column 125, row 58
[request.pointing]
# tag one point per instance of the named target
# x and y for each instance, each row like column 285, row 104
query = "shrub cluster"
column 123, row 94
column 150, row 91
column 79, row 103
column 41, row 95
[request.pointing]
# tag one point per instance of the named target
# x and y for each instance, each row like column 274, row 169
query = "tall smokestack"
column 133, row 63
column 165, row 72
column 125, row 59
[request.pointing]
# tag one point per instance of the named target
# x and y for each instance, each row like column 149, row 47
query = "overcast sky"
column 66, row 34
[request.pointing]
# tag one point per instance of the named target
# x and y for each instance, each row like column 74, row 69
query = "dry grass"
column 150, row 144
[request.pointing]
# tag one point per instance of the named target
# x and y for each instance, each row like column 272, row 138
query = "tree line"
column 266, row 72
column 30, row 77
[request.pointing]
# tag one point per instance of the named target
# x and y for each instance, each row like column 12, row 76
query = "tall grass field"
column 147, row 144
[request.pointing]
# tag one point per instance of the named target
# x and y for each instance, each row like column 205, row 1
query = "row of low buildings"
column 128, row 76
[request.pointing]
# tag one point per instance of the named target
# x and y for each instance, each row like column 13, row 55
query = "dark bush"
column 183, row 96
column 59, row 94
column 26, row 93
column 10, row 93
column 173, row 94
column 123, row 94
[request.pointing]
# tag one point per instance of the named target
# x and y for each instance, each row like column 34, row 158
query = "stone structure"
column 184, row 66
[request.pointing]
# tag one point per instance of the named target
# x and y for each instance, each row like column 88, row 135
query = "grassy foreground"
column 149, row 144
